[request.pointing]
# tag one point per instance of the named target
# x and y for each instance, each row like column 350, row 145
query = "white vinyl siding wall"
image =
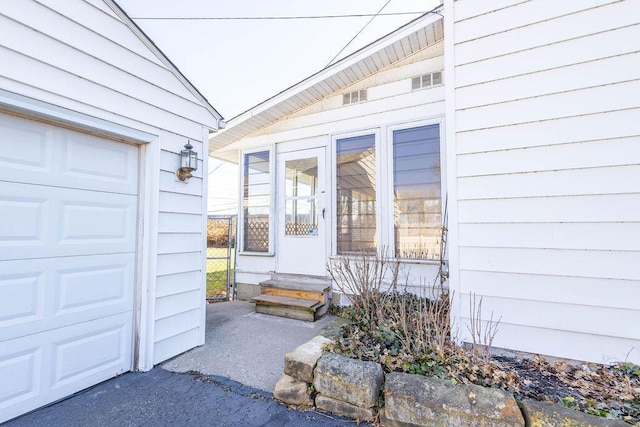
column 95, row 65
column 390, row 105
column 547, row 151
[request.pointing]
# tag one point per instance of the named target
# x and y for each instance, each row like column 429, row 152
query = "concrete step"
column 292, row 308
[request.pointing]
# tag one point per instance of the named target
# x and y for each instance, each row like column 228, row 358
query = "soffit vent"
column 426, row 80
column 354, row 97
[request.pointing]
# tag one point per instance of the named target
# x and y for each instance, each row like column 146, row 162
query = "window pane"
column 301, row 187
column 256, row 201
column 301, row 217
column 301, row 177
column 437, row 78
column 417, row 192
column 356, row 195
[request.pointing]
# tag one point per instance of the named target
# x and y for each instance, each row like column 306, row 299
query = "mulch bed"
column 607, row 391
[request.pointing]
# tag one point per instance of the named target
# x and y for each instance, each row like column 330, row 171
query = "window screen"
column 356, row 195
column 417, row 192
column 256, row 201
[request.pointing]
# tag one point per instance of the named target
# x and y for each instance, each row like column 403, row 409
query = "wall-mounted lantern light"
column 188, row 162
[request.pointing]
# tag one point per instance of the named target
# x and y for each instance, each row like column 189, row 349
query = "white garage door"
column 67, row 254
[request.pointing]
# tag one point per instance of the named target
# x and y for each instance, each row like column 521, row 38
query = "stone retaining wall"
column 352, row 388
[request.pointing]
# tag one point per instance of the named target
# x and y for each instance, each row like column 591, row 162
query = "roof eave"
column 426, row 19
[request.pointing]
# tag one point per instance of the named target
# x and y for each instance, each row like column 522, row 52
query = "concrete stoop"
column 351, row 388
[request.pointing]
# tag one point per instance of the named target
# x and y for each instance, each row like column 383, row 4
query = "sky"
column 237, row 64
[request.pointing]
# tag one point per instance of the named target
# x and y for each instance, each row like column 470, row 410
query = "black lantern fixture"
column 188, row 162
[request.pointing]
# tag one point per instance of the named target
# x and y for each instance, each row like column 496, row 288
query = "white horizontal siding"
column 65, row 43
column 179, row 242
column 553, row 157
column 603, row 180
column 583, row 291
column 593, row 127
column 556, row 30
column 104, row 18
column 565, row 344
column 180, row 203
column 548, row 167
column 176, row 283
column 80, row 56
column 572, row 263
column 515, row 17
column 599, row 72
column 178, row 303
column 602, row 236
column 611, row 97
column 166, row 348
column 616, row 322
column 606, row 208
column 175, row 263
column 172, row 326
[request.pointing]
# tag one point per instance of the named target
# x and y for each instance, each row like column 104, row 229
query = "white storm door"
column 301, row 212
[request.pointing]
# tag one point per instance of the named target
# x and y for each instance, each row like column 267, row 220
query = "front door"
column 301, row 212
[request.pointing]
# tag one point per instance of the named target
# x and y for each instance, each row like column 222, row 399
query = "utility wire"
column 361, row 30
column 266, row 18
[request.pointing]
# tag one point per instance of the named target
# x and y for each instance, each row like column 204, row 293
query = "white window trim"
column 388, row 180
column 333, row 182
column 272, row 212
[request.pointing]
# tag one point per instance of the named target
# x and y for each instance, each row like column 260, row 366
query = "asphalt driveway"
column 161, row 398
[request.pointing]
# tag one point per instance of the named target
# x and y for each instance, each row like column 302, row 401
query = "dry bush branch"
column 482, row 333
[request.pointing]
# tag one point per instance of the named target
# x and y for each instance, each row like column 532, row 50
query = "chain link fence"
column 221, row 239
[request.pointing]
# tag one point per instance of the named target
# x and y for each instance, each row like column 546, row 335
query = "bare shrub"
column 364, row 279
column 482, row 333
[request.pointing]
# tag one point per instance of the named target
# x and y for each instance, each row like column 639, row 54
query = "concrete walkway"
column 245, row 346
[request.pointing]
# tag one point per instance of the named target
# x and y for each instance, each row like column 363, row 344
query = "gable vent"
column 427, row 80
column 353, row 97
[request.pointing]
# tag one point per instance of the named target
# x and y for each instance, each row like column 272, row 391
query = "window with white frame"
column 356, row 195
column 417, row 192
column 256, row 201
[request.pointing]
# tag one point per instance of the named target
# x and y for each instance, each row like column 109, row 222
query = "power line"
column 267, row 18
column 361, row 30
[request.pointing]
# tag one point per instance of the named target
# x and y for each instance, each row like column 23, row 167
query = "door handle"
column 322, row 213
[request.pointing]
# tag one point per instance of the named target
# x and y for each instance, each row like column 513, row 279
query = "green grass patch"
column 217, row 272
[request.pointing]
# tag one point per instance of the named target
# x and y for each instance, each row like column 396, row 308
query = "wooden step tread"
column 287, row 301
column 296, row 285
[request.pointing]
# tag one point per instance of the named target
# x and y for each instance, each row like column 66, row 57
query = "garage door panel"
column 22, row 298
column 24, row 219
column 51, row 293
column 25, row 145
column 21, row 375
column 84, row 355
column 47, row 366
column 53, row 221
column 38, row 153
column 117, row 163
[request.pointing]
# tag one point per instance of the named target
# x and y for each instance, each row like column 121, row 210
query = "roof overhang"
column 405, row 41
